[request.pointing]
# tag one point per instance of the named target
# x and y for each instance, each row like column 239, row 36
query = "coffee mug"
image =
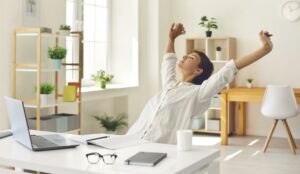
column 184, row 140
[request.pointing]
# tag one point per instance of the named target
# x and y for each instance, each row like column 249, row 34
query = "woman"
column 178, row 101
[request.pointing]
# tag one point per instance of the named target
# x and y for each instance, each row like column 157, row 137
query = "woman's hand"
column 176, row 30
column 256, row 55
column 266, row 41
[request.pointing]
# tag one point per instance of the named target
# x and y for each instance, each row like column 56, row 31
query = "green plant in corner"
column 112, row 123
column 209, row 24
column 102, row 78
column 46, row 88
column 65, row 27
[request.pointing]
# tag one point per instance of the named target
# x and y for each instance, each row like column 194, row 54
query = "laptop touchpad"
column 57, row 139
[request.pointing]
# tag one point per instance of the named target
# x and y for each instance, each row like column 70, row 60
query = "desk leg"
column 241, row 119
column 224, row 119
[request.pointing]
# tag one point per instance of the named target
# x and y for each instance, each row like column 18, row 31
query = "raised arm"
column 267, row 47
column 175, row 31
column 168, row 72
column 218, row 81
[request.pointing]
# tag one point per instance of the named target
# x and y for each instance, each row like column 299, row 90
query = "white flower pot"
column 218, row 55
column 45, row 99
column 56, row 63
column 249, row 85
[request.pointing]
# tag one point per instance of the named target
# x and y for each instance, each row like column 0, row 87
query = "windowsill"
column 109, row 87
column 92, row 93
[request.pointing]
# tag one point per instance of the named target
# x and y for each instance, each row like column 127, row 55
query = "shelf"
column 33, row 66
column 58, row 103
column 215, row 108
column 31, row 34
column 43, row 38
column 206, row 131
column 44, row 70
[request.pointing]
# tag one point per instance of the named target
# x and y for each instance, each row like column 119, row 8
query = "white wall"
column 52, row 15
column 9, row 18
column 243, row 20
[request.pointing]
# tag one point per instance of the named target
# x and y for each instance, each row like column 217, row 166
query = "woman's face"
column 189, row 64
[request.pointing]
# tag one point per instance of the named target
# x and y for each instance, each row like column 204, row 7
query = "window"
column 93, row 16
column 111, row 42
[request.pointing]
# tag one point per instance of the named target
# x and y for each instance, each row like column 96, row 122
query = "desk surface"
column 250, row 94
column 73, row 161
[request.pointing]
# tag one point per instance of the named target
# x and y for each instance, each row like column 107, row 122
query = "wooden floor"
column 244, row 155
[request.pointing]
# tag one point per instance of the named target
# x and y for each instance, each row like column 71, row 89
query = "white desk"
column 73, row 161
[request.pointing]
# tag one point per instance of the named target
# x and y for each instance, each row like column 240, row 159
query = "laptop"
column 20, row 130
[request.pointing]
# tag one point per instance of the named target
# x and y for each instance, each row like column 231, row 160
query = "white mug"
column 184, row 140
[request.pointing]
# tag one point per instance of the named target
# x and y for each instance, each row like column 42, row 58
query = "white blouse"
column 174, row 106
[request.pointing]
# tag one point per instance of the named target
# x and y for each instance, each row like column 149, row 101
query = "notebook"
column 146, row 158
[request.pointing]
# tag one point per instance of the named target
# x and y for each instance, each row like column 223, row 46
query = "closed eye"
column 190, row 57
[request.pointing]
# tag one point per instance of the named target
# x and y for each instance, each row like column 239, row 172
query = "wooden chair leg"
column 290, row 133
column 289, row 137
column 270, row 136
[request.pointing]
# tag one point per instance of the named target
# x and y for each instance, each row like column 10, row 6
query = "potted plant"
column 111, row 124
column 46, row 90
column 218, row 53
column 102, row 78
column 57, row 53
column 64, row 29
column 249, row 83
column 209, row 24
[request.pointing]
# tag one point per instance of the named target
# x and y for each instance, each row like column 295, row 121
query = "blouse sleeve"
column 168, row 69
column 217, row 81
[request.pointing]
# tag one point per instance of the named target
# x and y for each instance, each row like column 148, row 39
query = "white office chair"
column 280, row 103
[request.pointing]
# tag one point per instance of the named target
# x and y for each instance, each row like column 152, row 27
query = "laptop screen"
column 18, row 121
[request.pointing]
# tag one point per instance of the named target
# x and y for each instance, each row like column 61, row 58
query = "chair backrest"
column 279, row 102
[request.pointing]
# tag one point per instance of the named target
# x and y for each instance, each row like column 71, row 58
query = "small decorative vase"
column 102, row 84
column 218, row 55
column 249, row 85
column 208, row 33
column 45, row 99
column 56, row 63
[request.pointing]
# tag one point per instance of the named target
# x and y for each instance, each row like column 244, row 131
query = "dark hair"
column 207, row 67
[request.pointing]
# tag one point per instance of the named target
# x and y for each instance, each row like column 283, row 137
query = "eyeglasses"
column 93, row 158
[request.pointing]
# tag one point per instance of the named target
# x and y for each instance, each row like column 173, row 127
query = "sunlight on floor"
column 255, row 153
column 206, row 141
column 253, row 142
column 229, row 157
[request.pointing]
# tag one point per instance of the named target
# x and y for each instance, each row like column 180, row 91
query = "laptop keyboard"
column 38, row 141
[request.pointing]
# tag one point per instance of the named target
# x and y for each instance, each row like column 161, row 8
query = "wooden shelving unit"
column 32, row 58
column 228, row 52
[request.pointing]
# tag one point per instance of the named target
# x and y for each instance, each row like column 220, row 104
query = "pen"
column 97, row 138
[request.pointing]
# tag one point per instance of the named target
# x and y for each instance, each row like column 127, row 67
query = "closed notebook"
column 146, row 158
